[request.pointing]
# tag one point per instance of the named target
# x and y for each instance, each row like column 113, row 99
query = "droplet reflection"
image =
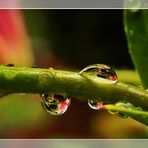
column 55, row 104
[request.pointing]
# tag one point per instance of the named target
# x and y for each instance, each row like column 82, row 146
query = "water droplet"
column 99, row 72
column 95, row 104
column 21, row 94
column 55, row 104
column 112, row 112
column 131, row 32
column 10, row 65
column 138, row 108
column 51, row 68
column 140, row 87
column 34, row 66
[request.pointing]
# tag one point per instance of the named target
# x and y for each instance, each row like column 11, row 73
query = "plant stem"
column 141, row 116
column 36, row 80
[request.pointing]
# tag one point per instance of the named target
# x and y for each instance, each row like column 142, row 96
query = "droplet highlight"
column 97, row 105
column 100, row 72
column 55, row 104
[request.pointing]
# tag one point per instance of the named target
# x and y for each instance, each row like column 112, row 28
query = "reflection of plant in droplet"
column 55, row 104
column 99, row 71
column 95, row 104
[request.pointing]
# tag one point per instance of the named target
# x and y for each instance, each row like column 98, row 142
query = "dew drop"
column 10, row 65
column 34, row 66
column 140, row 87
column 99, row 72
column 131, row 32
column 95, row 104
column 21, row 94
column 55, row 104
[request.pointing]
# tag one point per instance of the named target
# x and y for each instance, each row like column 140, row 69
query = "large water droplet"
column 99, row 72
column 95, row 104
column 55, row 104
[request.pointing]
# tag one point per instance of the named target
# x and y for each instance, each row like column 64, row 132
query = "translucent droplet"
column 10, row 65
column 55, row 104
column 131, row 32
column 34, row 66
column 112, row 112
column 95, row 104
column 21, row 94
column 99, row 72
column 138, row 108
column 140, row 87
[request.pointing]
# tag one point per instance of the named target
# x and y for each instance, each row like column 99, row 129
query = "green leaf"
column 141, row 116
column 136, row 28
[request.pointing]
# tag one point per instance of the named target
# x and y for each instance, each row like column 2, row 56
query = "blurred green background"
column 70, row 40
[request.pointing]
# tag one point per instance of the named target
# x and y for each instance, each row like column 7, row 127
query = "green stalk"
column 35, row 80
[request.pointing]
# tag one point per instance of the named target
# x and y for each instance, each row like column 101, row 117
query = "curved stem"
column 36, row 80
column 141, row 116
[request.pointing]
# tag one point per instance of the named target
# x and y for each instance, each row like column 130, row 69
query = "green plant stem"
column 35, row 80
column 128, row 76
column 140, row 116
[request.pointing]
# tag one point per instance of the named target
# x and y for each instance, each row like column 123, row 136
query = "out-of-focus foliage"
column 15, row 45
column 136, row 27
column 80, row 37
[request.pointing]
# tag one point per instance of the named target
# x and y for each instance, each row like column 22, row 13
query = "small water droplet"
column 95, row 104
column 138, row 108
column 55, row 104
column 21, row 94
column 10, row 65
column 131, row 32
column 100, row 72
column 34, row 66
column 140, row 87
column 51, row 68
column 112, row 112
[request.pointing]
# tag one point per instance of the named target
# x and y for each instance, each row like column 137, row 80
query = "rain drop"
column 95, row 104
column 10, row 65
column 21, row 94
column 34, row 66
column 55, row 104
column 140, row 87
column 99, row 72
